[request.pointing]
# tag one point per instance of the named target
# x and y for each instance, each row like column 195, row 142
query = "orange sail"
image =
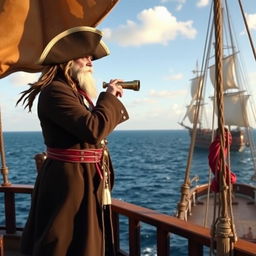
column 27, row 26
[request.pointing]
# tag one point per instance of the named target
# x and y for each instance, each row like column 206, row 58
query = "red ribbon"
column 215, row 161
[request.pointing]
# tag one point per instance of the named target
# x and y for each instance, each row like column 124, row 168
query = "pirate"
column 71, row 205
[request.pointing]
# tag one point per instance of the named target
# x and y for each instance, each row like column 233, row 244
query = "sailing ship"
column 197, row 237
column 237, row 110
column 202, row 203
column 235, row 105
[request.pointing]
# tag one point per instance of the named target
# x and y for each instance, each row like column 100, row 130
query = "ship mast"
column 4, row 168
column 223, row 228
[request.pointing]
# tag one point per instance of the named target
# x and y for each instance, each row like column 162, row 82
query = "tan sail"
column 235, row 109
column 27, row 26
column 229, row 75
column 191, row 113
column 196, row 83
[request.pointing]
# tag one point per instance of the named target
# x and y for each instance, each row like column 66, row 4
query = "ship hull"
column 204, row 138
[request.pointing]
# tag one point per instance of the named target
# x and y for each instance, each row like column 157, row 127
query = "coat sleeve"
column 59, row 105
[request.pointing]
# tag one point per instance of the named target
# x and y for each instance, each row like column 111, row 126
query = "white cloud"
column 179, row 2
column 179, row 7
column 23, row 78
column 168, row 1
column 144, row 100
column 178, row 76
column 163, row 114
column 156, row 26
column 251, row 20
column 202, row 3
column 167, row 94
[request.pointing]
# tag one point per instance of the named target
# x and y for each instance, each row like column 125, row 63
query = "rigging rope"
column 184, row 200
column 247, row 29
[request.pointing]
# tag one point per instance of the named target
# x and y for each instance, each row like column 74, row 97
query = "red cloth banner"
column 215, row 162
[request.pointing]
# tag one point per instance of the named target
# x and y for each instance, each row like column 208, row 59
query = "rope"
column 183, row 204
column 212, row 137
column 247, row 29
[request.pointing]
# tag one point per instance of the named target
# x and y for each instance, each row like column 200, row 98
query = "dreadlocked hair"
column 28, row 96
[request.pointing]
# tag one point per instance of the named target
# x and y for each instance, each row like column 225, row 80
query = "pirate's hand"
column 114, row 88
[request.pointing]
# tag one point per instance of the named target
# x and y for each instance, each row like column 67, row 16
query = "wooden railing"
column 244, row 189
column 165, row 225
column 1, row 246
column 9, row 204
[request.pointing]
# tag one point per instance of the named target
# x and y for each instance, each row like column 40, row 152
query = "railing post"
column 194, row 248
column 163, row 242
column 1, row 246
column 10, row 212
column 115, row 221
column 134, row 237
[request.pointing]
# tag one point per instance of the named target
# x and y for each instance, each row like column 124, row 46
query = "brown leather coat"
column 66, row 216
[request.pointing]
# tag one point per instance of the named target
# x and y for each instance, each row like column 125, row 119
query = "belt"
column 77, row 156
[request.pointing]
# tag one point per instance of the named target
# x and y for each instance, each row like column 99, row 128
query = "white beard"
column 85, row 79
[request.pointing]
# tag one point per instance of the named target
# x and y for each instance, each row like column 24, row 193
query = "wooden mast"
column 4, row 168
column 223, row 230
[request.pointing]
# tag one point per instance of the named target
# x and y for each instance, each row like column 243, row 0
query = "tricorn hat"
column 72, row 44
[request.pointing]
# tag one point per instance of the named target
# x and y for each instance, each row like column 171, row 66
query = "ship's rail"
column 165, row 225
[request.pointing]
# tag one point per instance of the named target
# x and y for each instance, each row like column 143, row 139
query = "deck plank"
column 243, row 209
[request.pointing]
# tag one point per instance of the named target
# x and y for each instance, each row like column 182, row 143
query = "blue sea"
column 149, row 168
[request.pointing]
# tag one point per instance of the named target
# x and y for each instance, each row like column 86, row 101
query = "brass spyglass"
column 131, row 85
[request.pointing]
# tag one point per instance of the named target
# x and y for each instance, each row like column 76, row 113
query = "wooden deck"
column 244, row 211
column 165, row 225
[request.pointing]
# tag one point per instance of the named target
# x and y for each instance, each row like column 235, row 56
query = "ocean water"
column 149, row 169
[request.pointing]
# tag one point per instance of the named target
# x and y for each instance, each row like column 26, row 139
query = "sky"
column 158, row 42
